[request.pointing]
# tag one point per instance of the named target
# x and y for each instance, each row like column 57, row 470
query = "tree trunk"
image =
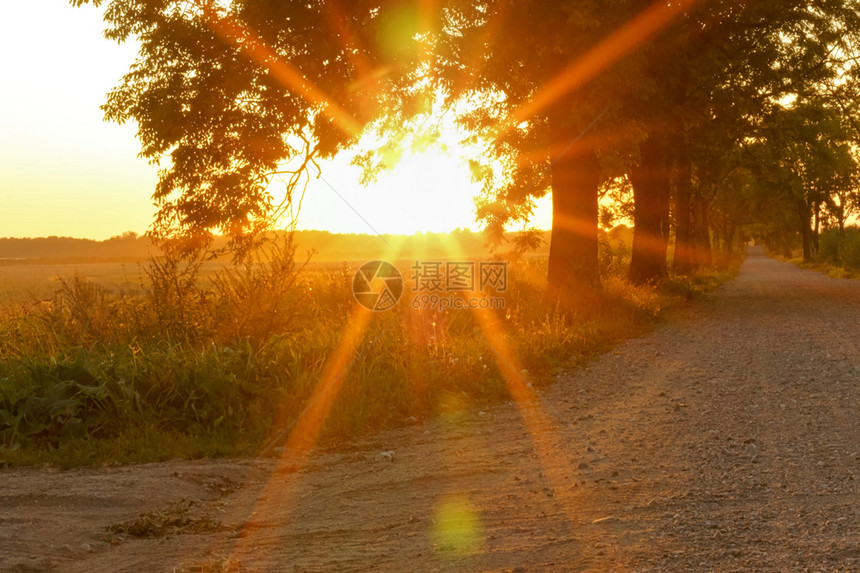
column 731, row 239
column 573, row 267
column 684, row 256
column 816, row 231
column 841, row 220
column 803, row 213
column 650, row 181
column 701, row 237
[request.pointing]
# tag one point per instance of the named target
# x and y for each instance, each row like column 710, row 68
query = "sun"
column 429, row 191
column 426, row 191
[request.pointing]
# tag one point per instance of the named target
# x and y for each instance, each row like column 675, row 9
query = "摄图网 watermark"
column 437, row 285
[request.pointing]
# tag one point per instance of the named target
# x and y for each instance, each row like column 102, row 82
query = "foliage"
column 803, row 162
column 103, row 377
column 841, row 248
column 234, row 97
column 125, row 247
column 738, row 119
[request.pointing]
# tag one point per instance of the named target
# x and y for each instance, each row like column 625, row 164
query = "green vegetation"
column 217, row 365
column 725, row 122
column 838, row 255
column 841, row 248
column 703, row 124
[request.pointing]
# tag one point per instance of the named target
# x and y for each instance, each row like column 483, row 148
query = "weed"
column 203, row 364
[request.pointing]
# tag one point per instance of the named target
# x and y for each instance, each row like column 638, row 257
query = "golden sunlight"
column 426, row 191
column 327, row 364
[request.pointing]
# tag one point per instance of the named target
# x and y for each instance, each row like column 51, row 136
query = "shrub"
column 840, row 248
column 220, row 362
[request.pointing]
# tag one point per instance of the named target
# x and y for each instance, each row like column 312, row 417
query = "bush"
column 226, row 361
column 840, row 248
column 829, row 246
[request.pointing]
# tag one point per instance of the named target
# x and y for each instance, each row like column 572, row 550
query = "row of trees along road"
column 727, row 117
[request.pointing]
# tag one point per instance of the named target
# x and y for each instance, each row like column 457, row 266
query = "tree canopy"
column 708, row 108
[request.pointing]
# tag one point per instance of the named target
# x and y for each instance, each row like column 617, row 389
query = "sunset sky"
column 64, row 171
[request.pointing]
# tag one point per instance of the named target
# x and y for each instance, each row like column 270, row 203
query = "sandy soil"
column 726, row 440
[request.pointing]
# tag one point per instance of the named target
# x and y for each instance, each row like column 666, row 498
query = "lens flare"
column 457, row 529
column 246, row 40
column 613, row 48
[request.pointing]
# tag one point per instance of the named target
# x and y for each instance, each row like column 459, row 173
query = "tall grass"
column 217, row 366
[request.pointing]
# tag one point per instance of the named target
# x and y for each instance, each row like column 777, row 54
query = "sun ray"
column 274, row 497
column 366, row 77
column 574, row 225
column 541, row 427
column 427, row 19
column 358, row 56
column 561, row 149
column 254, row 48
column 427, row 15
column 613, row 48
column 548, row 443
column 486, row 38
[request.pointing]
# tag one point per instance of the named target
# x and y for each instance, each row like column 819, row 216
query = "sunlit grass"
column 94, row 376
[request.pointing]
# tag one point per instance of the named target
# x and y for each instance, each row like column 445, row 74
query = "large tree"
column 226, row 93
column 228, row 96
column 542, row 117
column 566, row 75
column 562, row 94
column 713, row 78
column 804, row 157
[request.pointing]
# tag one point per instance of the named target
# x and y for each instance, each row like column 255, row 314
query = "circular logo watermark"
column 377, row 285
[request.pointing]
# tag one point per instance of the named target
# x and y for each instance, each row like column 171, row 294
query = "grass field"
column 113, row 363
column 30, row 283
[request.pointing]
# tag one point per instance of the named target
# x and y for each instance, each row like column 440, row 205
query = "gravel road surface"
column 728, row 439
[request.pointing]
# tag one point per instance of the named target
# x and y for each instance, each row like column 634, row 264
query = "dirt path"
column 727, row 440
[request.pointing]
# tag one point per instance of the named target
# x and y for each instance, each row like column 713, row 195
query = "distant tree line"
column 326, row 247
column 126, row 247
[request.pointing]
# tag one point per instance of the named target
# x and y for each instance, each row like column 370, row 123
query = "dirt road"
column 726, row 440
